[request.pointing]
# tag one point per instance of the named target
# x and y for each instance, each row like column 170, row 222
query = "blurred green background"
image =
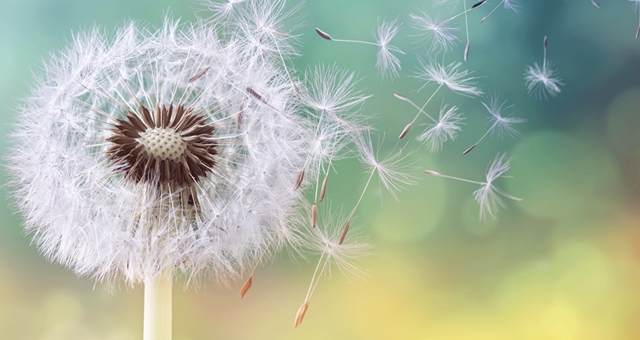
column 562, row 264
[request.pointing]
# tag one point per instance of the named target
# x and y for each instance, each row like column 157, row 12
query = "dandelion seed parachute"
column 129, row 157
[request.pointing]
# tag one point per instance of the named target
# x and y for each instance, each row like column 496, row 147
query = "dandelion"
column 387, row 63
column 543, row 80
column 488, row 195
column 501, row 125
column 175, row 151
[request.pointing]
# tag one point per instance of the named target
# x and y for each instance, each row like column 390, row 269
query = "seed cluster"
column 170, row 147
column 163, row 143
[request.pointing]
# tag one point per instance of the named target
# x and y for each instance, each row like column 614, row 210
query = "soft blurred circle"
column 561, row 176
column 624, row 121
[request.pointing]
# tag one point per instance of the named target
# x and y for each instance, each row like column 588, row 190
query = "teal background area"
column 564, row 263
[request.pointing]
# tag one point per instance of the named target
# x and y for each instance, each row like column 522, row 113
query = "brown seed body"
column 246, row 286
column 301, row 312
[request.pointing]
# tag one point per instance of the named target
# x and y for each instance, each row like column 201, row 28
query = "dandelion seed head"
column 128, row 157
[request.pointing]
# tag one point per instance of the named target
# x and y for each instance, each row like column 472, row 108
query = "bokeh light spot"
column 623, row 122
column 560, row 176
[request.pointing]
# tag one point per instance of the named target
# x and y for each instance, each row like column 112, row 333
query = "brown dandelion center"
column 169, row 147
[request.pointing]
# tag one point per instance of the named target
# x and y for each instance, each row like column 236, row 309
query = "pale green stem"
column 157, row 306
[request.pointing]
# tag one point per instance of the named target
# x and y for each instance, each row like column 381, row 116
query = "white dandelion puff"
column 501, row 125
column 543, row 79
column 159, row 153
column 488, row 196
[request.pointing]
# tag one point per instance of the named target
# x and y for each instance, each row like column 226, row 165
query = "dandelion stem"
column 356, row 41
column 421, row 110
column 361, row 195
column 481, row 138
column 157, row 306
column 466, row 24
column 456, row 178
column 493, row 10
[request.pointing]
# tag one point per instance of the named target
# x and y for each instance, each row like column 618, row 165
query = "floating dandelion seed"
column 387, row 63
column 390, row 170
column 436, row 32
column 336, row 250
column 449, row 76
column 542, row 80
column 439, row 32
column 488, row 195
column 168, row 152
column 446, row 127
column 507, row 4
column 333, row 103
column 500, row 125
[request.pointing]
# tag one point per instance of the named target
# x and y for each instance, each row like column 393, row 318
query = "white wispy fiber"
column 501, row 125
column 391, row 169
column 387, row 63
column 457, row 81
column 488, row 195
column 445, row 128
column 326, row 242
column 438, row 34
column 98, row 192
column 543, row 79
